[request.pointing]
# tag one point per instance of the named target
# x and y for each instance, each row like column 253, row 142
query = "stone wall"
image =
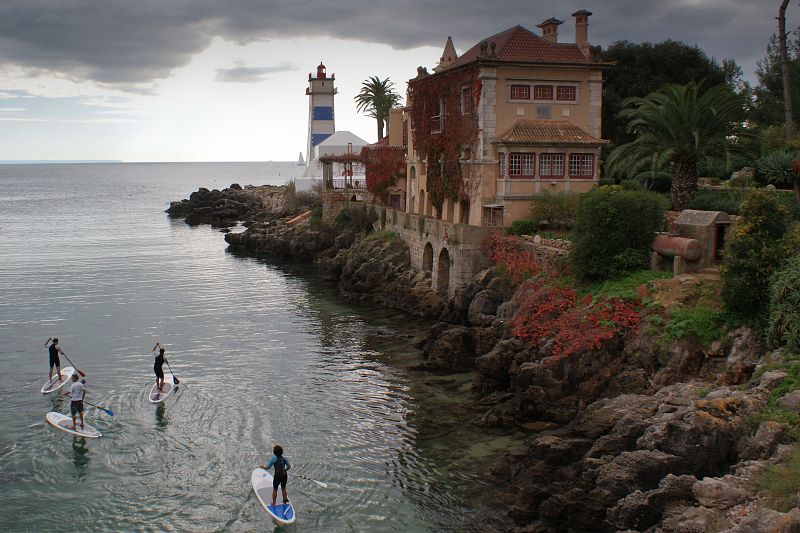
column 452, row 253
column 334, row 200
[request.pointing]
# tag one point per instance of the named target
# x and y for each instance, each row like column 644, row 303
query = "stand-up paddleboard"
column 157, row 396
column 60, row 421
column 282, row 513
column 54, row 384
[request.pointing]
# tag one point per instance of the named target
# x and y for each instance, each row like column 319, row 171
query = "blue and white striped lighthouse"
column 321, row 116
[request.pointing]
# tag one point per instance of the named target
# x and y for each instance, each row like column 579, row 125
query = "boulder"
column 717, row 493
column 790, row 401
column 764, row 443
column 772, row 378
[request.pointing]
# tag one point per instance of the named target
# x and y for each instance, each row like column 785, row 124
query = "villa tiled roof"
column 547, row 132
column 518, row 44
column 384, row 143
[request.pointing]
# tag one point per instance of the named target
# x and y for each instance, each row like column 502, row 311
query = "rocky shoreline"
column 637, row 435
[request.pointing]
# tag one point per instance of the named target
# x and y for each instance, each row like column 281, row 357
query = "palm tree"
column 376, row 98
column 677, row 125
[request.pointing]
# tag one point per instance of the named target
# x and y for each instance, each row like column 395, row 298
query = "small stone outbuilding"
column 710, row 228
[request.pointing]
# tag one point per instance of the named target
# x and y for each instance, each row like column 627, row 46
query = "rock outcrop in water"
column 226, row 207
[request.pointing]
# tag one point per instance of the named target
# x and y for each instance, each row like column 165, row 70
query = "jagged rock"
column 690, row 519
column 453, row 349
column 630, row 471
column 717, row 493
column 640, row 510
column 764, row 443
column 765, row 520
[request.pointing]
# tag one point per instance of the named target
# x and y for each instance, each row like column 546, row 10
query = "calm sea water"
column 264, row 351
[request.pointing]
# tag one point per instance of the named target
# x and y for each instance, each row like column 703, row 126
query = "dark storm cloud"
column 244, row 74
column 130, row 42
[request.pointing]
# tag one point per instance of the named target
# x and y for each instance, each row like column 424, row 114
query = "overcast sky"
column 225, row 80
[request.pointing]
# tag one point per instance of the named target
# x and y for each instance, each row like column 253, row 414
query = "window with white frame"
column 520, row 92
column 566, row 93
column 542, row 92
column 581, row 165
column 551, row 165
column 502, row 165
column 521, row 165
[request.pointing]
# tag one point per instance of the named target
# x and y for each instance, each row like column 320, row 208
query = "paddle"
column 109, row 412
column 320, row 483
column 81, row 372
column 174, row 379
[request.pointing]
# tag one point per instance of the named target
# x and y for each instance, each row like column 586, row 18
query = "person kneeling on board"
column 158, row 365
column 281, row 465
column 77, row 392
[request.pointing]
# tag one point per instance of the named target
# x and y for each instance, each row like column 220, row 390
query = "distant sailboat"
column 300, row 161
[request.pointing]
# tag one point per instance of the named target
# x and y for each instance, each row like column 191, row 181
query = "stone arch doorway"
column 443, row 272
column 427, row 258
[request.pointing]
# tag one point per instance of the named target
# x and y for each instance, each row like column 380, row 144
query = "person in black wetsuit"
column 158, row 364
column 55, row 360
column 281, row 465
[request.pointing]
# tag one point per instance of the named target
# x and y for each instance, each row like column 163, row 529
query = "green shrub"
column 626, row 287
column 776, row 166
column 713, row 168
column 702, row 321
column 784, row 306
column 556, row 210
column 656, row 182
column 753, row 253
column 524, row 227
column 315, row 220
column 613, row 232
column 718, row 200
column 357, row 219
column 606, row 181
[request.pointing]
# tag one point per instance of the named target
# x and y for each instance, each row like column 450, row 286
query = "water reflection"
column 80, row 456
column 161, row 418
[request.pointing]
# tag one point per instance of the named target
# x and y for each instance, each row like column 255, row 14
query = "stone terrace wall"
column 455, row 252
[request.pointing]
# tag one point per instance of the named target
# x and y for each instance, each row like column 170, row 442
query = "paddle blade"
column 81, row 372
column 109, row 412
column 176, row 380
column 320, row 483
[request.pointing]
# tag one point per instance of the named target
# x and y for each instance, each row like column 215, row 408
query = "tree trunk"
column 787, row 94
column 684, row 185
column 380, row 128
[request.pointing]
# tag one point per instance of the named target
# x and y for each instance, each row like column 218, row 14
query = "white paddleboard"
column 54, row 384
column 282, row 513
column 61, row 421
column 167, row 387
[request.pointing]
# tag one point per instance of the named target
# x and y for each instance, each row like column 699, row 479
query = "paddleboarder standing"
column 55, row 361
column 281, row 465
column 77, row 392
column 158, row 365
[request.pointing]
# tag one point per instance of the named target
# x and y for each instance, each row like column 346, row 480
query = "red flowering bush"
column 514, row 256
column 575, row 326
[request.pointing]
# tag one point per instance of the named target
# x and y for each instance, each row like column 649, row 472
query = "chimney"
column 582, row 30
column 550, row 29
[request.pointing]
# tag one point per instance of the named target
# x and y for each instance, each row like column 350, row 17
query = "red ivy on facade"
column 382, row 166
column 442, row 128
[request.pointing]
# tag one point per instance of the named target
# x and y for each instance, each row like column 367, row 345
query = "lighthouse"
column 321, row 123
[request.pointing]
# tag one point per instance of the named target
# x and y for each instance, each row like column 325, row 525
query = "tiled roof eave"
column 599, row 142
column 602, row 65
